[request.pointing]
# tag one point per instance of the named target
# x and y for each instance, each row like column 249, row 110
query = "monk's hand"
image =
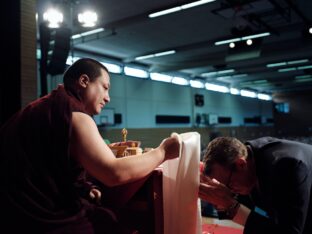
column 171, row 147
column 214, row 192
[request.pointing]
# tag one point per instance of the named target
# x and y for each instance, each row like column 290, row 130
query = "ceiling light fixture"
column 70, row 60
column 230, row 78
column 54, row 18
column 131, row 71
column 208, row 74
column 232, row 45
column 155, row 55
column 287, row 69
column 287, row 63
column 303, row 77
column 247, row 93
column 180, row 81
column 179, row 8
column 249, row 42
column 264, row 96
column 217, row 88
column 87, row 33
column 87, row 18
column 304, row 67
column 197, row 84
column 295, row 68
column 234, row 91
column 160, row 77
column 303, row 80
column 112, row 67
column 245, row 38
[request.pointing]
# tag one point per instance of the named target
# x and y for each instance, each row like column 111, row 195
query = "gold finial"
column 124, row 133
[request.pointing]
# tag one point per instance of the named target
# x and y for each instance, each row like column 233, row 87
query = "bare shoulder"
column 80, row 116
column 82, row 121
column 85, row 138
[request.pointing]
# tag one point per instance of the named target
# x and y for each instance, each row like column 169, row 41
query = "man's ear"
column 241, row 163
column 84, row 80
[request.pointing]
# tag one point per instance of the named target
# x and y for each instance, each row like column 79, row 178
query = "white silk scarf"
column 182, row 214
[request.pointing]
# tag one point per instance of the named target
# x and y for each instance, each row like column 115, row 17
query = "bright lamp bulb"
column 87, row 18
column 53, row 17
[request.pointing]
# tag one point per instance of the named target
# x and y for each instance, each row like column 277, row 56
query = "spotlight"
column 54, row 18
column 249, row 42
column 232, row 45
column 310, row 30
column 87, row 18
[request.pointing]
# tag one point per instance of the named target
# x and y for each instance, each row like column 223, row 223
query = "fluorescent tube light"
column 239, row 75
column 165, row 12
column 287, row 69
column 276, row 64
column 207, row 74
column 164, row 53
column 227, row 41
column 303, row 77
column 160, row 77
column 298, row 61
column 92, row 32
column 180, row 81
column 197, row 84
column 131, row 71
column 145, row 57
column 234, row 91
column 87, row 33
column 217, row 88
column 260, row 81
column 263, row 96
column 224, row 77
column 214, row 73
column 287, row 63
column 256, row 36
column 225, row 71
column 304, row 67
column 197, row 3
column 304, row 80
column 111, row 67
column 179, row 8
column 242, row 38
column 247, row 93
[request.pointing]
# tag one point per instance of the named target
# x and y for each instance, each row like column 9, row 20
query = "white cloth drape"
column 182, row 214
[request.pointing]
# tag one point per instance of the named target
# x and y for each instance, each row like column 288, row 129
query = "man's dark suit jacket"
column 284, row 171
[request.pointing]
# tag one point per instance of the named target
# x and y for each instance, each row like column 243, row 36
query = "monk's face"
column 96, row 93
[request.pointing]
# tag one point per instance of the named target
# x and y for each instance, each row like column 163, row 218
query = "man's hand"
column 215, row 193
column 95, row 195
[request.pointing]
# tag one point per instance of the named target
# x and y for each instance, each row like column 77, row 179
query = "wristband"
column 232, row 210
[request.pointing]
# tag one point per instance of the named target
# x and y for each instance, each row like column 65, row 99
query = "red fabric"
column 37, row 188
column 218, row 229
column 117, row 197
column 201, row 167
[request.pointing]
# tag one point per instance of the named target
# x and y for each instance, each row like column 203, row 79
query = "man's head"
column 226, row 159
column 89, row 80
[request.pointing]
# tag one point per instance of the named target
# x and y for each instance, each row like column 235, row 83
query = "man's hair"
column 224, row 151
column 88, row 66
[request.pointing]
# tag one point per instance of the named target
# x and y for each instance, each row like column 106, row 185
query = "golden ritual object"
column 124, row 133
column 126, row 148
